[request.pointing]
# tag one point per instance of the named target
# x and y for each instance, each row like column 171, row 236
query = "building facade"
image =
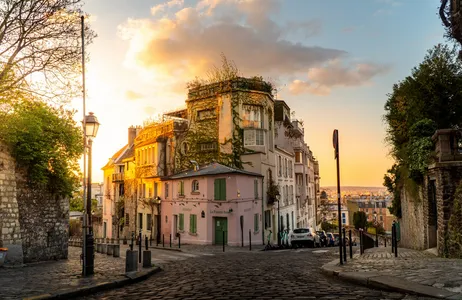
column 214, row 204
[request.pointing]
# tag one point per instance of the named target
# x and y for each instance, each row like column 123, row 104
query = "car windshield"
column 301, row 230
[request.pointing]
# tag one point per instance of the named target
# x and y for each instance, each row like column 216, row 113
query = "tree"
column 429, row 99
column 76, row 203
column 326, row 226
column 46, row 144
column 323, row 195
column 41, row 38
column 359, row 219
column 324, row 208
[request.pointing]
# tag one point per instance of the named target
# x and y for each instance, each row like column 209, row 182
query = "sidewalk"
column 63, row 279
column 417, row 272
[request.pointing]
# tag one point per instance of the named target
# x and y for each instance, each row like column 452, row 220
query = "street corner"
column 332, row 268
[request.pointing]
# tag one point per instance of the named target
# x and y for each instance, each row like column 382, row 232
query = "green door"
column 221, row 225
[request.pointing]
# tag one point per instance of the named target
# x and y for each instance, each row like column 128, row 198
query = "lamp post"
column 91, row 126
column 279, row 219
column 376, row 231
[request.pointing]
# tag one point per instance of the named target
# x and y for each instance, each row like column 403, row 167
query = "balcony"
column 297, row 125
column 299, row 168
column 118, row 177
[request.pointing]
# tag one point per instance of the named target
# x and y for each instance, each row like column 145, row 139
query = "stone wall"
column 44, row 220
column 9, row 214
column 412, row 222
column 448, row 176
column 34, row 225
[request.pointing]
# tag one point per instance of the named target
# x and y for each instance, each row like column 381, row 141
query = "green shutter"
column 181, row 225
column 217, row 189
column 223, row 189
column 255, row 223
column 193, row 223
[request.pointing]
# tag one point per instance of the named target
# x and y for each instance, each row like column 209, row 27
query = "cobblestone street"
column 286, row 274
column 416, row 266
column 54, row 276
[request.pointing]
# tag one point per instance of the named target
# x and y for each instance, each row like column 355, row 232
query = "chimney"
column 131, row 135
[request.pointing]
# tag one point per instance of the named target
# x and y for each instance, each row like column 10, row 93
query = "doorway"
column 432, row 215
column 221, row 231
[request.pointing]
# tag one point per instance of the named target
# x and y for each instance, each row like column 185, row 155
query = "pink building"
column 208, row 204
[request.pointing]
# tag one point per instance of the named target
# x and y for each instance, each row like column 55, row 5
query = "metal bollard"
column 361, row 242
column 146, row 242
column 163, row 240
column 344, row 245
column 131, row 245
column 170, row 240
column 179, row 241
column 351, row 244
column 250, row 240
column 392, row 238
column 385, row 241
column 396, row 242
column 223, row 241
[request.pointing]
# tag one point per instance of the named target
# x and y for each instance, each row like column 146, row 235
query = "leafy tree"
column 46, row 143
column 359, row 219
column 326, row 226
column 41, row 37
column 323, row 195
column 429, row 99
column 76, row 203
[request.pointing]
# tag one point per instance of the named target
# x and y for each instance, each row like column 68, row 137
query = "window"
column 298, row 157
column 156, row 189
column 254, row 137
column 267, row 218
column 255, row 188
column 144, row 190
column 293, row 226
column 291, row 169
column 149, row 221
column 220, row 189
column 195, row 186
column 166, row 190
column 252, row 116
column 285, row 167
column 140, row 220
column 149, row 192
column 184, row 148
column 193, row 223
column 255, row 223
column 181, row 222
column 208, row 146
column 127, row 219
column 205, row 114
column 280, row 166
column 287, row 221
column 343, row 218
column 181, row 188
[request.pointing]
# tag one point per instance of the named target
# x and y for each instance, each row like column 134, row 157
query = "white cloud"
column 169, row 4
column 180, row 46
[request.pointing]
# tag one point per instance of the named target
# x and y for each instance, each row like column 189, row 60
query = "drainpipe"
column 262, row 213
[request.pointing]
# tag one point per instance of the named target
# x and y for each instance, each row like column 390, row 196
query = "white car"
column 304, row 237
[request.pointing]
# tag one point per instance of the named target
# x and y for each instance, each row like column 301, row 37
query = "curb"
column 165, row 248
column 103, row 286
column 384, row 282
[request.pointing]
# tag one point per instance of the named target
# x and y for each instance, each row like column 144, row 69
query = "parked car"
column 331, row 242
column 304, row 237
column 323, row 237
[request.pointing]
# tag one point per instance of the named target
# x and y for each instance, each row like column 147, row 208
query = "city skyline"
column 334, row 73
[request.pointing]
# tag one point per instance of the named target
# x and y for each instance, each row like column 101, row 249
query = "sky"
column 333, row 62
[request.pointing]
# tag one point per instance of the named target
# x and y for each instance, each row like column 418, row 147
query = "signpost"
column 337, row 157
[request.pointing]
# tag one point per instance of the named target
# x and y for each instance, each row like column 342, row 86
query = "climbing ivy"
column 200, row 141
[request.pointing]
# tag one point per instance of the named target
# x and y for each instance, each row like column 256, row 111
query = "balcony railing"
column 118, row 177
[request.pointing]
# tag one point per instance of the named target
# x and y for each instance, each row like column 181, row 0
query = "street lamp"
column 279, row 219
column 91, row 126
column 376, row 231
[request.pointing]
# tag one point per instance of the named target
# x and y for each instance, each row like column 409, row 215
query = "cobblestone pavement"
column 417, row 266
column 51, row 277
column 286, row 274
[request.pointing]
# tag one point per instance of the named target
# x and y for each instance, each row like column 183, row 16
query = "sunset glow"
column 333, row 69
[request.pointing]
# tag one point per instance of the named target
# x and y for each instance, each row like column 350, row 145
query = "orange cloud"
column 180, row 46
column 321, row 80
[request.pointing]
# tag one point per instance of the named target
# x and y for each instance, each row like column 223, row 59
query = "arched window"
column 195, row 186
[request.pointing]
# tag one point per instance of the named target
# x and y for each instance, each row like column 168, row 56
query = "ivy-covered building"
column 231, row 123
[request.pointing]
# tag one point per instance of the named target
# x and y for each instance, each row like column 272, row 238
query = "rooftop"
column 212, row 169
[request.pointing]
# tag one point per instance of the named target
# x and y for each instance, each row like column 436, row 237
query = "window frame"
column 180, row 222
column 219, row 185
column 195, row 186
column 193, row 224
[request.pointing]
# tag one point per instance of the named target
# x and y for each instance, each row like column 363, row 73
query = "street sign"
column 335, row 142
